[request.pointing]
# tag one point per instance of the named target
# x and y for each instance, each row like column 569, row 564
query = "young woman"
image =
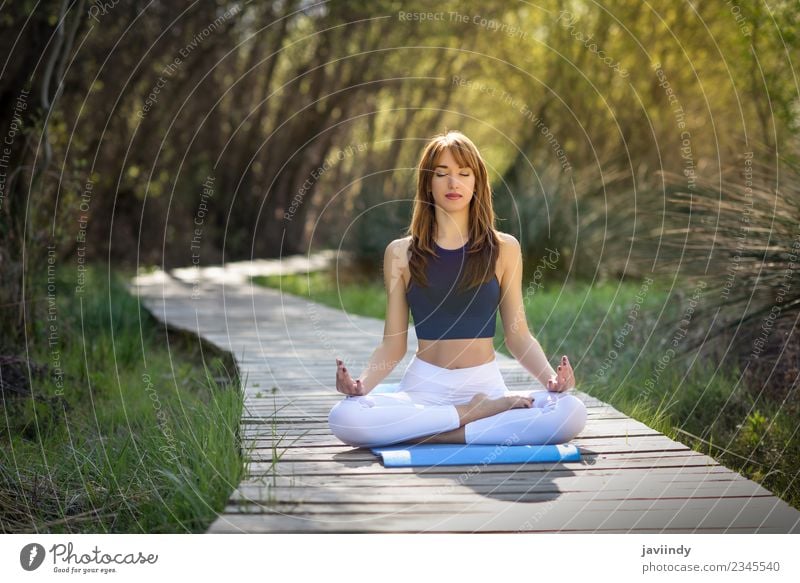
column 454, row 271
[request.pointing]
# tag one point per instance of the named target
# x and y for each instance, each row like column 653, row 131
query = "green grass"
column 141, row 436
column 688, row 397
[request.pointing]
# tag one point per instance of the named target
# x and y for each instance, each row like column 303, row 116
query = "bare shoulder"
column 509, row 252
column 509, row 247
column 396, row 259
column 507, row 240
column 397, row 251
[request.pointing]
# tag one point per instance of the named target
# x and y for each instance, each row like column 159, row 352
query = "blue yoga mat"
column 455, row 454
column 460, row 454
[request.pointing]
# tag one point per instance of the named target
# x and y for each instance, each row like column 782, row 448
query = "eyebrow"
column 460, row 167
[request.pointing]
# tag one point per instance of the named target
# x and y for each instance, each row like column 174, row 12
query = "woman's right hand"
column 344, row 382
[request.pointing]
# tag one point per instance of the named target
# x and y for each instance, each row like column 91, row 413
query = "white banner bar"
column 401, row 558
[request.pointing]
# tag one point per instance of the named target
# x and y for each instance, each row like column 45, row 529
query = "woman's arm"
column 395, row 330
column 520, row 342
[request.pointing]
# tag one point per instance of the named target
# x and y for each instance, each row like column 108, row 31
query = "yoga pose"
column 454, row 271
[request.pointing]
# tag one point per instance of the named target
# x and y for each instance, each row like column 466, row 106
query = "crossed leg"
column 384, row 419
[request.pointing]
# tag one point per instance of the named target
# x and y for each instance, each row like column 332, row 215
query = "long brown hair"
column 484, row 243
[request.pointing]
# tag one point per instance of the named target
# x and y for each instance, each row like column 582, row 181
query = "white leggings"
column 425, row 404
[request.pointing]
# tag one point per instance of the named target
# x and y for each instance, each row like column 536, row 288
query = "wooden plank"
column 483, row 505
column 725, row 515
column 622, row 487
column 479, row 476
column 512, row 479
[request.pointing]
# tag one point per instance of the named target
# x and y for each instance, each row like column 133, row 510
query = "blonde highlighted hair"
column 484, row 242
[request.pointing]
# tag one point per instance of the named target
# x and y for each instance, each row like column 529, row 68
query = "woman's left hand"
column 564, row 379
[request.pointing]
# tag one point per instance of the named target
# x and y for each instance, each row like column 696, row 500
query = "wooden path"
column 300, row 478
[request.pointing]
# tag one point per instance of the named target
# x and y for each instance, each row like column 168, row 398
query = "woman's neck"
column 452, row 230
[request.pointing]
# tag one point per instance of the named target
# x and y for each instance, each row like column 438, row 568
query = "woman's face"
column 450, row 179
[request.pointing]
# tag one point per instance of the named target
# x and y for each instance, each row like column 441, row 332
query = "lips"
column 452, row 195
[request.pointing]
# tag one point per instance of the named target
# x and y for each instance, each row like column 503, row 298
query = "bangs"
column 463, row 154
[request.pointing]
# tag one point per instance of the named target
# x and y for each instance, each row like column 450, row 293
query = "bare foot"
column 481, row 406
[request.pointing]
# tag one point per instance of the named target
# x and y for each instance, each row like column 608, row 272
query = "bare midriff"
column 456, row 352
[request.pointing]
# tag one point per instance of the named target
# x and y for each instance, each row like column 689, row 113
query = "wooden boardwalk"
column 300, row 478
